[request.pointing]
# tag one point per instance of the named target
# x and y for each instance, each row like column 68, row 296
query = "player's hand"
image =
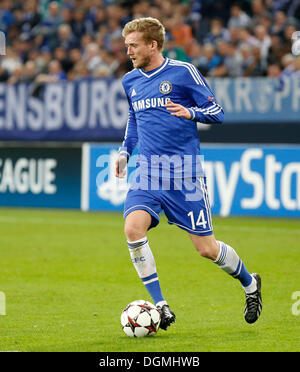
column 178, row 110
column 121, row 166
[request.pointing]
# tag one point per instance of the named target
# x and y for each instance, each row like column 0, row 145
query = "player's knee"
column 206, row 251
column 133, row 232
column 207, row 246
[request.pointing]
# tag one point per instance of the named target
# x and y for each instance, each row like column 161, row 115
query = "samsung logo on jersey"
column 143, row 104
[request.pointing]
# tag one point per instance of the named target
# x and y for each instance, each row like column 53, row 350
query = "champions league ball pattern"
column 140, row 318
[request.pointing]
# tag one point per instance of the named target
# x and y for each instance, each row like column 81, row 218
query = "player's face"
column 139, row 52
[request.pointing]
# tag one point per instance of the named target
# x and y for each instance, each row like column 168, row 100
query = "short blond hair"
column 151, row 28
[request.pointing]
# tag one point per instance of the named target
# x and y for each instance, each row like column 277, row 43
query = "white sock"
column 161, row 303
column 142, row 257
column 252, row 287
column 144, row 263
column 229, row 261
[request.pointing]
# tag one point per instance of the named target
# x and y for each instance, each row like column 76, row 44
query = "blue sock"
column 153, row 287
column 242, row 274
column 144, row 263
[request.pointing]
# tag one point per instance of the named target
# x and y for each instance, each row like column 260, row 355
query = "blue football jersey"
column 151, row 127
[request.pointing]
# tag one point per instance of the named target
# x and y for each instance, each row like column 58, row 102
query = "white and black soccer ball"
column 140, row 318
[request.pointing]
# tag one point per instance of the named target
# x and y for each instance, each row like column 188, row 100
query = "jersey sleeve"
column 204, row 108
column 131, row 135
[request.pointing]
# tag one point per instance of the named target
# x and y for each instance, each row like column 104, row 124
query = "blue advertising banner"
column 82, row 110
column 253, row 180
column 242, row 179
column 40, row 177
column 101, row 190
column 97, row 109
column 261, row 100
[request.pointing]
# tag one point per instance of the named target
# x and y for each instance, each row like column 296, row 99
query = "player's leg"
column 225, row 257
column 191, row 212
column 137, row 224
column 228, row 260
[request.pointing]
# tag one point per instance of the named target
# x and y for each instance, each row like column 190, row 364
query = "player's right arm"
column 129, row 142
column 121, row 163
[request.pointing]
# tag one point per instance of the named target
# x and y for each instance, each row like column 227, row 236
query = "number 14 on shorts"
column 201, row 221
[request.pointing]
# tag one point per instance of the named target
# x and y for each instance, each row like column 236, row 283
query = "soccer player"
column 166, row 100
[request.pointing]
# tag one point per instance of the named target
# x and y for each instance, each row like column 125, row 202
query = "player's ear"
column 154, row 44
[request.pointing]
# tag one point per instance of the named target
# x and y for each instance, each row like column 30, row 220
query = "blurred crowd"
column 49, row 41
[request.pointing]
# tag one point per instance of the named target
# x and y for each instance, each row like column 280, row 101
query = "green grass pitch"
column 67, row 276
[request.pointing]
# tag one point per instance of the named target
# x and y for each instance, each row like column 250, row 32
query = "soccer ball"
column 140, row 318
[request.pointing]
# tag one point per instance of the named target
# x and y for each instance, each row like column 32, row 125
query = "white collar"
column 155, row 72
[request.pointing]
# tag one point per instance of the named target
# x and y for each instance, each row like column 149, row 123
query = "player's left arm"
column 209, row 112
column 178, row 110
column 204, row 107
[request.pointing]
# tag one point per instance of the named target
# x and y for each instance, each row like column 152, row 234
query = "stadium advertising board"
column 97, row 108
column 242, row 179
column 40, row 177
column 82, row 110
column 257, row 100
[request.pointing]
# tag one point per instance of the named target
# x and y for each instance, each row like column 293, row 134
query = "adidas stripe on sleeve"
column 206, row 109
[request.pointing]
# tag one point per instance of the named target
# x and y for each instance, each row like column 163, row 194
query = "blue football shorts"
column 185, row 204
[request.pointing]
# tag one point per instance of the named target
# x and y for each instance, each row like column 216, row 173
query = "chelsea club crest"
column 165, row 87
